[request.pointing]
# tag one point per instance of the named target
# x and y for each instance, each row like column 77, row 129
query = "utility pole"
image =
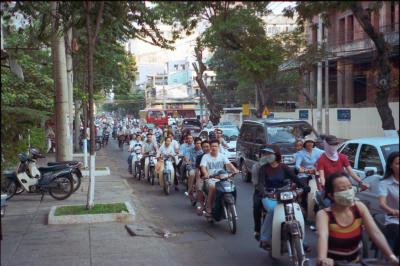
column 70, row 78
column 319, row 79
column 163, row 88
column 326, row 97
column 61, row 88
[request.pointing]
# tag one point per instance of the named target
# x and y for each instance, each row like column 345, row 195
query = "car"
column 226, row 124
column 255, row 135
column 367, row 157
column 191, row 125
column 230, row 134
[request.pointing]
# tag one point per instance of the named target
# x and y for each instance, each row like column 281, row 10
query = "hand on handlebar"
column 364, row 186
column 325, row 262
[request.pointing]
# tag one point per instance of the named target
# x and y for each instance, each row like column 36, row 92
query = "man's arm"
column 231, row 167
column 204, row 171
column 351, row 173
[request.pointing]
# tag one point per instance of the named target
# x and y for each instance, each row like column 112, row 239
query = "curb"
column 98, row 172
column 92, row 218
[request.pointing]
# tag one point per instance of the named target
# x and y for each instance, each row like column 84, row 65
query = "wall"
column 365, row 122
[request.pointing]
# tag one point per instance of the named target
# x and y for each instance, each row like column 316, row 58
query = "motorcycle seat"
column 47, row 169
column 9, row 173
column 62, row 163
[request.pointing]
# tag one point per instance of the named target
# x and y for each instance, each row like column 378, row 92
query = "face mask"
column 331, row 151
column 267, row 159
column 345, row 198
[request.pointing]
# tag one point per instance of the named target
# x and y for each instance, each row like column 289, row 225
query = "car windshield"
column 388, row 149
column 288, row 133
column 230, row 134
column 193, row 123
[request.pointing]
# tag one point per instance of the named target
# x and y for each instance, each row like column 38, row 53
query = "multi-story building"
column 351, row 75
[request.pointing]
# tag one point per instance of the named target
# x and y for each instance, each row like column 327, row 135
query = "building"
column 351, row 64
column 278, row 23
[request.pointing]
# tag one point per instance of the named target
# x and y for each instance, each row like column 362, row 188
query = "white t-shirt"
column 134, row 143
column 214, row 164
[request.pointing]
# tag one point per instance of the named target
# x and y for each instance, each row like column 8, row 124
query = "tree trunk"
column 215, row 110
column 63, row 137
column 70, row 75
column 383, row 66
column 77, row 121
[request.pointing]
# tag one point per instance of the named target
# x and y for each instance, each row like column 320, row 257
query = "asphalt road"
column 198, row 242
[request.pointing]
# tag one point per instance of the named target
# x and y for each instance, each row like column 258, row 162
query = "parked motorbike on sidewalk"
column 58, row 184
column 54, row 167
column 287, row 226
column 150, row 168
column 225, row 200
column 11, row 186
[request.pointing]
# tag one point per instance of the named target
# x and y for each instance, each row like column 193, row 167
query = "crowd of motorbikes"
column 61, row 179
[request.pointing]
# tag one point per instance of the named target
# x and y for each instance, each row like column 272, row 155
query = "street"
column 197, row 241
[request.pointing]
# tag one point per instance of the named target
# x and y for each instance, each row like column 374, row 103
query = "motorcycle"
column 11, row 186
column 121, row 140
column 58, row 184
column 136, row 162
column 168, row 174
column 225, row 200
column 99, row 142
column 287, row 226
column 55, row 166
column 150, row 168
column 106, row 136
column 190, row 171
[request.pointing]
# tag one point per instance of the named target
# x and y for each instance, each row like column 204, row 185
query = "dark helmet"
column 211, row 135
column 36, row 153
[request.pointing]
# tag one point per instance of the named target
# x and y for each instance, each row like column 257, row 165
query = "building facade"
column 351, row 67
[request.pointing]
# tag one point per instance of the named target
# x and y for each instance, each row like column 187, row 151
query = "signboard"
column 343, row 114
column 246, row 109
column 303, row 114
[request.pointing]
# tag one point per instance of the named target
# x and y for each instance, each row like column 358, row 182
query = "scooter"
column 191, row 170
column 225, row 200
column 287, row 226
column 136, row 162
column 54, row 167
column 150, row 168
column 106, row 136
column 168, row 174
column 58, row 184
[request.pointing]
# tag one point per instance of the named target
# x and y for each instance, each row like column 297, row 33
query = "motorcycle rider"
column 340, row 226
column 205, row 146
column 185, row 150
column 148, row 147
column 272, row 175
column 174, row 143
column 137, row 142
column 166, row 149
column 158, row 132
column 193, row 153
column 331, row 162
column 220, row 137
column 210, row 164
column 306, row 162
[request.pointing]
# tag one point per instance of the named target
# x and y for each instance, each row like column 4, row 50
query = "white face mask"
column 345, row 198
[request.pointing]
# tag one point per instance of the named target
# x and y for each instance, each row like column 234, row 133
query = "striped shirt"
column 344, row 241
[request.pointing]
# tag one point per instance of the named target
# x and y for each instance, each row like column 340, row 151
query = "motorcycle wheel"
column 64, row 188
column 297, row 251
column 231, row 218
column 76, row 180
column 98, row 146
column 151, row 175
column 167, row 189
column 10, row 188
column 137, row 172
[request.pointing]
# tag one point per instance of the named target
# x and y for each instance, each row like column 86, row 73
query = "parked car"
column 230, row 134
column 255, row 135
column 191, row 125
column 367, row 157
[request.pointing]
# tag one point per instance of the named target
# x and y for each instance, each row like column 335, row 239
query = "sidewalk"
column 28, row 240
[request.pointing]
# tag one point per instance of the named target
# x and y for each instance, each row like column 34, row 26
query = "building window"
column 176, row 67
column 314, row 31
column 350, row 28
column 360, row 88
column 341, row 30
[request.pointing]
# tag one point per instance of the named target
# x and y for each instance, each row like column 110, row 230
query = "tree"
column 306, row 10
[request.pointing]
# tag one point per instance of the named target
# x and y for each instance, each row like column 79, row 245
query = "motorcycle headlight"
column 287, row 195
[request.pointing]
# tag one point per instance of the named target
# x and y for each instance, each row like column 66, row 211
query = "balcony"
column 363, row 44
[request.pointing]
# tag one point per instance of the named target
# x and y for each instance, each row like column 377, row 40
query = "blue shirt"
column 185, row 149
column 193, row 153
column 307, row 160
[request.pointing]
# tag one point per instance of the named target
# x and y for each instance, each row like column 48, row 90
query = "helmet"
column 36, row 153
column 267, row 150
column 211, row 135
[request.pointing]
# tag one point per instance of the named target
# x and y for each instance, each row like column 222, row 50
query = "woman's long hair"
column 389, row 162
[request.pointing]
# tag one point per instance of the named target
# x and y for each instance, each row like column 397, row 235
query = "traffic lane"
column 194, row 235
